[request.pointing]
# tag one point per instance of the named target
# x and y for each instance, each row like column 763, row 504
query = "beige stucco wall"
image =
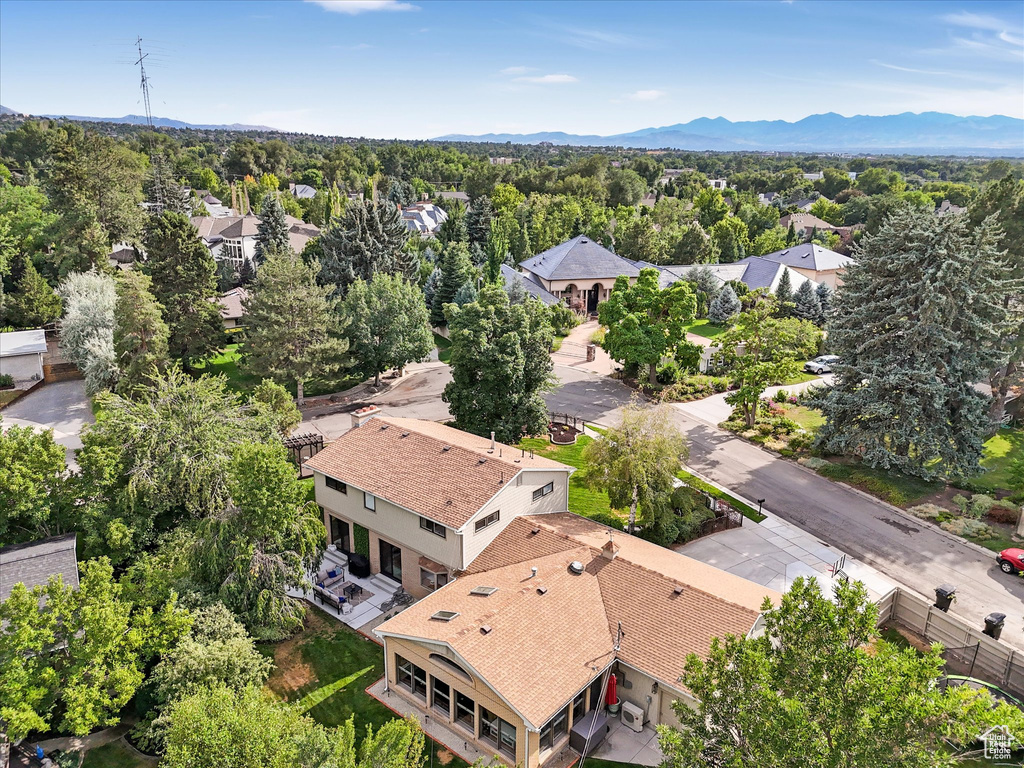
column 640, row 693
column 23, row 367
column 580, row 287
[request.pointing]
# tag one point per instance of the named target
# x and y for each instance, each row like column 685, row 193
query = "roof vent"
column 405, row 434
column 481, row 461
column 446, row 449
column 483, row 591
column 542, row 590
column 384, row 426
column 576, row 567
column 535, row 531
column 445, row 615
column 677, row 591
column 485, row 629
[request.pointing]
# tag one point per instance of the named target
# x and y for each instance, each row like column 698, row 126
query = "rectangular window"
column 430, row 580
column 442, row 698
column 490, row 519
column 579, row 707
column 412, row 677
column 465, row 711
column 540, row 493
column 498, row 732
column 369, row 501
column 555, row 729
column 435, row 528
column 335, row 485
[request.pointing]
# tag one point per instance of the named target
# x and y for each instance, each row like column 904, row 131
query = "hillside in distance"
column 927, row 132
column 158, row 122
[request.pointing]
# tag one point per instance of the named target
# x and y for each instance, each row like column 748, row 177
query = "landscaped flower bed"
column 563, row 434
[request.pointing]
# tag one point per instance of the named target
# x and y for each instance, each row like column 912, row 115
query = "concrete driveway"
column 714, row 410
column 62, row 406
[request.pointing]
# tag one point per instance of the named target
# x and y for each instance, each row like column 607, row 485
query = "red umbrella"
column 611, row 698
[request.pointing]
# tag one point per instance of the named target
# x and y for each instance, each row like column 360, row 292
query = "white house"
column 21, row 354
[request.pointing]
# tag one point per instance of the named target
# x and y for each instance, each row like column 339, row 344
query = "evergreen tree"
column 516, row 291
column 805, row 303
column 454, row 229
column 791, row 238
column 388, row 324
column 272, row 231
column 497, row 253
column 784, row 294
column 408, row 263
column 228, row 276
column 455, row 271
column 184, row 280
column 246, row 273
column 725, row 306
column 915, row 327
column 33, row 302
column 430, row 287
column 140, row 334
column 705, row 285
column 293, row 332
column 478, row 220
column 165, row 193
column 500, row 364
column 824, row 300
column 366, row 239
column 466, row 294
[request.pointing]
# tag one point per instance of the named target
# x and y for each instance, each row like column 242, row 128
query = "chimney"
column 363, row 415
column 493, row 444
column 610, row 548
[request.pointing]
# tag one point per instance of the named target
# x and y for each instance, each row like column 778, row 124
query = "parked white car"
column 822, row 364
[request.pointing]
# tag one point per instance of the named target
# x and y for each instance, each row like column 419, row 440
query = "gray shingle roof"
column 810, row 256
column 22, row 342
column 33, row 563
column 579, row 259
column 529, row 286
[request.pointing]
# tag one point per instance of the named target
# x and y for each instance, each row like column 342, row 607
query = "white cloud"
column 646, row 95
column 976, row 21
column 515, row 70
column 353, row 7
column 547, row 79
column 596, row 39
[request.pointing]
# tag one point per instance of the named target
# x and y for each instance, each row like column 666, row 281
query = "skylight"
column 445, row 615
column 484, row 591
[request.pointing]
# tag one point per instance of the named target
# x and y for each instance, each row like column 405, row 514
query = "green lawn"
column 695, row 482
column 583, row 501
column 1001, row 450
column 9, row 396
column 808, row 418
column 444, row 348
column 705, row 328
column 226, row 363
column 116, row 755
column 326, row 669
column 800, row 378
column 893, row 487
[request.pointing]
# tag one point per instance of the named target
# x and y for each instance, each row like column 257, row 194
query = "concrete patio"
column 623, row 745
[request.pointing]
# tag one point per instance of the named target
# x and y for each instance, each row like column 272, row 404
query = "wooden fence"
column 967, row 650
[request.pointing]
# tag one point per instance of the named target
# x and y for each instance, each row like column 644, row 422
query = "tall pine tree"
column 914, row 328
column 184, row 279
column 272, row 231
column 366, row 239
column 784, row 294
column 140, row 333
column 455, row 271
column 805, row 303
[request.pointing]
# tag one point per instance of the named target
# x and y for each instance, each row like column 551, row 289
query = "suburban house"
column 529, row 286
column 420, row 500
column 233, row 238
column 231, row 310
column 34, row 562
column 579, row 271
column 424, row 219
column 718, row 183
column 813, row 262
column 461, row 197
column 754, row 271
column 515, row 654
column 805, row 223
column 21, row 354
column 302, row 191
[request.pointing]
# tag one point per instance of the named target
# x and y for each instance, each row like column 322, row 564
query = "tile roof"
column 22, row 342
column 579, row 259
column 428, row 468
column 529, row 286
column 539, row 671
column 33, row 563
column 809, row 256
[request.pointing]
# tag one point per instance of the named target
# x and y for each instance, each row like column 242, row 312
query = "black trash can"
column 944, row 596
column 994, row 625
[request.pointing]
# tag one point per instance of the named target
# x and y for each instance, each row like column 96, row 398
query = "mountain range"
column 927, row 133
column 159, row 122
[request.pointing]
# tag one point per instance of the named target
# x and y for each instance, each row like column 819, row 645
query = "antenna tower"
column 153, row 160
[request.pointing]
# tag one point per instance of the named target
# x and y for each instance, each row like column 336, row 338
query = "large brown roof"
column 543, row 648
column 431, row 469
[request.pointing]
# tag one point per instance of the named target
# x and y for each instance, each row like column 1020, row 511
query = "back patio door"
column 391, row 560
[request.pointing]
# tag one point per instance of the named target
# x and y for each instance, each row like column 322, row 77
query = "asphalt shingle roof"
column 529, row 286
column 579, row 259
column 810, row 256
column 34, row 562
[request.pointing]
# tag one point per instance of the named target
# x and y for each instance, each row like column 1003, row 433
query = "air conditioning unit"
column 632, row 716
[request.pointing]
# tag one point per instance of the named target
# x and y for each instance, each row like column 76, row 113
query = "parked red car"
column 1011, row 560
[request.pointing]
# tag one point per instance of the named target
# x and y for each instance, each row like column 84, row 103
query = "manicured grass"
column 9, row 396
column 116, row 755
column 226, row 363
column 808, row 418
column 584, row 501
column 326, row 668
column 1001, row 450
column 800, row 378
column 695, row 482
column 899, row 490
column 444, row 348
column 706, row 328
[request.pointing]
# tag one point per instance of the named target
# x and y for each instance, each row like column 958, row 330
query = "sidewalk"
column 714, row 410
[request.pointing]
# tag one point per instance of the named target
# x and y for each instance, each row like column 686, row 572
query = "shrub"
column 968, row 528
column 668, row 373
column 815, row 462
column 765, row 428
column 977, row 507
column 6, row 381
column 695, row 387
column 1004, row 513
column 801, row 441
column 928, row 511
column 781, row 396
column 563, row 319
column 597, row 337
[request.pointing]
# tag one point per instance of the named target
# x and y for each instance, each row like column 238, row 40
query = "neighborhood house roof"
column 754, row 271
column 213, row 228
column 428, row 468
column 579, row 259
column 545, row 645
column 33, row 563
column 303, row 191
column 804, row 221
column 22, row 343
column 810, row 256
column 231, row 303
column 529, row 286
column 424, row 217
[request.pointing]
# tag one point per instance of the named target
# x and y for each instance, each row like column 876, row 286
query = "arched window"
column 451, row 666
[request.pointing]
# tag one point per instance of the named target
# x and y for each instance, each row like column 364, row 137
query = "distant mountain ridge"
column 159, row 122
column 927, row 132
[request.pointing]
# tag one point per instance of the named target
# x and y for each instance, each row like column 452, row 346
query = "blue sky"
column 414, row 69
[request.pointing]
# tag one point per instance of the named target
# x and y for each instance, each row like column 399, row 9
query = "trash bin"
column 994, row 624
column 945, row 594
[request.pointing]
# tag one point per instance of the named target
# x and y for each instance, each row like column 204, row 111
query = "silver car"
column 822, row 364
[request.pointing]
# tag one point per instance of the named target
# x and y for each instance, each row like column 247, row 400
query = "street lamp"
column 759, row 503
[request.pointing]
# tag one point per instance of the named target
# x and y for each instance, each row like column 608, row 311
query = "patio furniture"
column 359, row 565
column 589, row 732
column 326, row 597
column 351, row 590
column 327, row 579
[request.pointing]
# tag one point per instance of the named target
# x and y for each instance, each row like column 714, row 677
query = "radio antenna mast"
column 153, row 160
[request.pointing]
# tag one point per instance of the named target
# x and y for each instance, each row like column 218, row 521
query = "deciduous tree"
column 87, row 331
column 33, row 484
